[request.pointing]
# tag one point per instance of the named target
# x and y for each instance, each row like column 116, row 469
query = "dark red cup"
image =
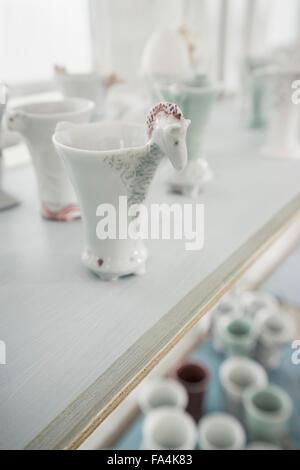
column 195, row 377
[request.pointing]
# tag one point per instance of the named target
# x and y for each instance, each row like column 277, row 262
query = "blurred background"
column 110, row 35
column 51, row 48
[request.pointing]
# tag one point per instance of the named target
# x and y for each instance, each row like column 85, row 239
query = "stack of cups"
column 228, row 306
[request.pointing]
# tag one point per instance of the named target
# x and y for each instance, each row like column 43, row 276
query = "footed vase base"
column 111, row 271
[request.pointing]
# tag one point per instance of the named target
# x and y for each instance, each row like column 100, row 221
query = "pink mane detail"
column 170, row 109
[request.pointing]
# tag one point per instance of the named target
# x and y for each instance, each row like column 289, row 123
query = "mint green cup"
column 267, row 413
column 239, row 337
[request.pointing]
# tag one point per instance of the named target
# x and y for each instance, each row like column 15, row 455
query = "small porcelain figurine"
column 86, row 85
column 109, row 160
column 6, row 200
column 196, row 99
column 283, row 133
column 37, row 122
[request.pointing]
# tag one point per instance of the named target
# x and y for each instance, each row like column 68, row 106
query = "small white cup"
column 227, row 306
column 164, row 392
column 169, row 429
column 251, row 302
column 236, row 375
column 275, row 331
column 239, row 335
column 220, row 431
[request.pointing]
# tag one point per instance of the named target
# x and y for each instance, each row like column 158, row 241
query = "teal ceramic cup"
column 267, row 413
column 239, row 336
column 196, row 99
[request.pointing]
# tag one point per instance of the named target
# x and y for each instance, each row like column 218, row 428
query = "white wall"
column 35, row 34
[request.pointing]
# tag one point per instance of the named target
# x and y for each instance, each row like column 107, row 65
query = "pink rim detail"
column 170, row 109
column 66, row 214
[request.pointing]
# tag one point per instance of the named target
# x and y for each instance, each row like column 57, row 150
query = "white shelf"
column 75, row 345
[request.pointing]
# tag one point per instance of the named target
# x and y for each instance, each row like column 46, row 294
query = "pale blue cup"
column 267, row 413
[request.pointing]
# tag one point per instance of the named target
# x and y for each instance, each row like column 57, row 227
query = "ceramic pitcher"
column 37, row 122
column 196, row 99
column 283, row 132
column 6, row 200
column 112, row 165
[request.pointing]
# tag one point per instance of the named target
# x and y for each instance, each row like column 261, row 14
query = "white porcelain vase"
column 112, row 165
column 37, row 122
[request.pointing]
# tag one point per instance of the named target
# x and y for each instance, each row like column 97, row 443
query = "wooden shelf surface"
column 75, row 345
